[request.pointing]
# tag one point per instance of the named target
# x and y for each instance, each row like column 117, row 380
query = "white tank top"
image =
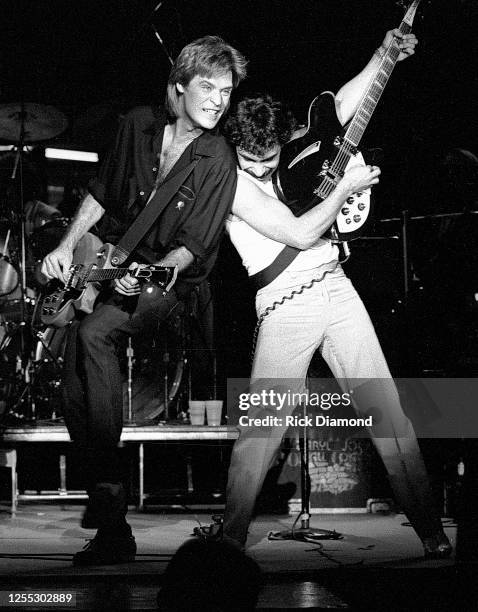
column 257, row 252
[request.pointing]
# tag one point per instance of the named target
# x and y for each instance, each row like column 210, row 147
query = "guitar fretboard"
column 100, row 274
column 374, row 92
column 362, row 116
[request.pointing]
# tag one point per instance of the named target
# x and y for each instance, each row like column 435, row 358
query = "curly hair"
column 259, row 123
column 205, row 56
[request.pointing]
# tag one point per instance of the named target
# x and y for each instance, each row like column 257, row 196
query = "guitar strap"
column 284, row 258
column 146, row 218
column 267, row 275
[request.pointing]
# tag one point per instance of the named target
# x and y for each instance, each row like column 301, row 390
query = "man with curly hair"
column 258, row 128
column 311, row 305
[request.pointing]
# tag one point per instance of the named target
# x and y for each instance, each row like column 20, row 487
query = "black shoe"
column 106, row 550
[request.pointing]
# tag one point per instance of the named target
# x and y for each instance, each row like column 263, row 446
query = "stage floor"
column 376, row 555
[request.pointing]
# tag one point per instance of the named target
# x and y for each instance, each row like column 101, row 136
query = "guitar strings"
column 373, row 92
column 368, row 103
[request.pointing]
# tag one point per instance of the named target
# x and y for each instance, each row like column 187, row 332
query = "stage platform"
column 376, row 565
column 14, row 437
column 167, row 432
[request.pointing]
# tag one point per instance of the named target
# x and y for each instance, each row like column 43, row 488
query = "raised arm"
column 57, row 263
column 350, row 94
column 274, row 219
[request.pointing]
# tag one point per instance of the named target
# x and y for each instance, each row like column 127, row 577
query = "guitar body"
column 303, row 159
column 91, row 265
column 312, row 165
column 89, row 251
column 58, row 308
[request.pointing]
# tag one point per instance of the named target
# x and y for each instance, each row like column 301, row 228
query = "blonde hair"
column 206, row 56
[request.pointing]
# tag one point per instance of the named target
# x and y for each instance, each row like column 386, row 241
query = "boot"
column 89, row 518
column 114, row 542
column 105, row 500
column 106, row 549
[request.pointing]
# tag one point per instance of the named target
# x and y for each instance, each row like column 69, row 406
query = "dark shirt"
column 195, row 210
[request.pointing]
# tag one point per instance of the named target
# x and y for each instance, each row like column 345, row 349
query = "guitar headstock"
column 163, row 276
column 411, row 8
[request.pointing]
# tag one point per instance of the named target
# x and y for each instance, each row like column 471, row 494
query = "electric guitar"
column 90, row 267
column 326, row 150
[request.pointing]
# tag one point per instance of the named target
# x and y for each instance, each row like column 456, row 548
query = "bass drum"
column 158, row 372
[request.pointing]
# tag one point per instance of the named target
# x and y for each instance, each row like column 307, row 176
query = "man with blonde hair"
column 171, row 158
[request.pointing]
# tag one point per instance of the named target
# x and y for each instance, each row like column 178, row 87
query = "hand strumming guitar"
column 57, row 263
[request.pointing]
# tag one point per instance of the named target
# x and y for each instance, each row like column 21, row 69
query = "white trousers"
column 329, row 317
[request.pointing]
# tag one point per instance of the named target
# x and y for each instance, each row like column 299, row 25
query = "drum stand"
column 25, row 405
column 190, row 323
column 169, row 382
column 182, row 365
column 130, row 361
column 20, row 124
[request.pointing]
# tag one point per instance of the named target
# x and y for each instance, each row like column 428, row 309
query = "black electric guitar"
column 312, row 165
column 92, row 265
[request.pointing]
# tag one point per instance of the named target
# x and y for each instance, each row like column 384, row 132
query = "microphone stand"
column 161, row 42
column 304, row 533
column 134, row 37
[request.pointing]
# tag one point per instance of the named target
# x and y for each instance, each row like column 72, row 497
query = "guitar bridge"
column 77, row 277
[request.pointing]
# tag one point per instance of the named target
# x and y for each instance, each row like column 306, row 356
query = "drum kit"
column 29, row 354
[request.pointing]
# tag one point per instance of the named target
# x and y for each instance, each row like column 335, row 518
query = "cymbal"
column 41, row 122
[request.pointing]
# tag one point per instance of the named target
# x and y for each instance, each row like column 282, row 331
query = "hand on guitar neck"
column 405, row 42
column 128, row 285
column 351, row 93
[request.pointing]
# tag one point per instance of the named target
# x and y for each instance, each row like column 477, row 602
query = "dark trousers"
column 92, row 380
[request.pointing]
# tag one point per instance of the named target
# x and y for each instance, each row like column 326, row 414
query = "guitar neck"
column 103, row 274
column 349, row 143
column 374, row 92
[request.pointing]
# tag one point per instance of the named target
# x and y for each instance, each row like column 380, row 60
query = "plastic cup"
column 214, row 412
column 197, row 410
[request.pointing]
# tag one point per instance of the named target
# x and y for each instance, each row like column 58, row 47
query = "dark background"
column 85, row 54
column 94, row 60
